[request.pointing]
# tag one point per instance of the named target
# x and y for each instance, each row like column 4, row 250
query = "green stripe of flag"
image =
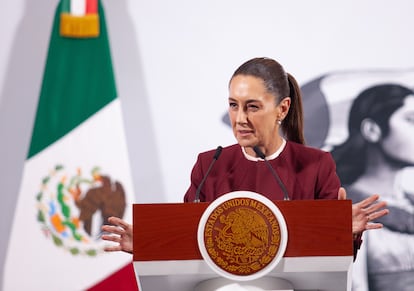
column 78, row 81
column 65, row 6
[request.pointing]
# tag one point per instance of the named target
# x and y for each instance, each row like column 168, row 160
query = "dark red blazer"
column 307, row 173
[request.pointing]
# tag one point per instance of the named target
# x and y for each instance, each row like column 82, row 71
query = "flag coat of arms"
column 77, row 172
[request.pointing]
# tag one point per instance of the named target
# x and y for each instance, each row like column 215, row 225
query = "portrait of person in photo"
column 371, row 138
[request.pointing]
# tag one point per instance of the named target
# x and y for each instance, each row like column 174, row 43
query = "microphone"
column 215, row 158
column 261, row 155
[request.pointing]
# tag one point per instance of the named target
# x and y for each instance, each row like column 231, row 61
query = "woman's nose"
column 241, row 116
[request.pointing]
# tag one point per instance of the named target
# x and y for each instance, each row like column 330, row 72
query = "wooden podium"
column 318, row 256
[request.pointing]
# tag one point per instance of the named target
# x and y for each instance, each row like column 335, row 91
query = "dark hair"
column 377, row 103
column 281, row 85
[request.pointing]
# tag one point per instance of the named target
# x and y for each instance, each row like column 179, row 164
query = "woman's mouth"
column 244, row 133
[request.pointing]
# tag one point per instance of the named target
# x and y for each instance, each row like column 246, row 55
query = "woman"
column 377, row 152
column 265, row 109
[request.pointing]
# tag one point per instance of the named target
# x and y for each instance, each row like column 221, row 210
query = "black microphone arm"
column 261, row 155
column 215, row 158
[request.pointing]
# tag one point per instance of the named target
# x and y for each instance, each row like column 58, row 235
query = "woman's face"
column 253, row 114
column 399, row 144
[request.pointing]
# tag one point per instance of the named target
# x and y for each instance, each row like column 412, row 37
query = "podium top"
column 168, row 231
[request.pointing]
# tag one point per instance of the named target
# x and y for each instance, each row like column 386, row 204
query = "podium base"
column 262, row 284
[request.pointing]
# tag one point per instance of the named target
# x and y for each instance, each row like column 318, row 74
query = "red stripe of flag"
column 122, row 280
column 91, row 6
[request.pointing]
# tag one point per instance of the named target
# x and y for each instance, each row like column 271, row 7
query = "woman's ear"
column 284, row 106
column 370, row 130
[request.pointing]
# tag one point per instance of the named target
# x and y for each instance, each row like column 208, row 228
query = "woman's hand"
column 365, row 211
column 120, row 232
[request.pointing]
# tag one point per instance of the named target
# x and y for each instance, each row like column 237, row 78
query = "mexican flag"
column 77, row 171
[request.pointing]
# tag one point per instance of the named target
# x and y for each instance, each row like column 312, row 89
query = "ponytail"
column 292, row 125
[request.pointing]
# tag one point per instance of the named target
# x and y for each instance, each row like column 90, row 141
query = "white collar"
column 271, row 157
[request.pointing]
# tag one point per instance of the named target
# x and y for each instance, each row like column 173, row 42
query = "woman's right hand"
column 120, row 232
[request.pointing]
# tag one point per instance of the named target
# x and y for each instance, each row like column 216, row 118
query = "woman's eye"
column 232, row 105
column 252, row 107
column 410, row 118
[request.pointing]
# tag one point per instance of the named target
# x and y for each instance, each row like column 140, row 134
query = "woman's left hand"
column 365, row 212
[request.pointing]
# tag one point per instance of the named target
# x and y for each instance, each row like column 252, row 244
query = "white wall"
column 173, row 60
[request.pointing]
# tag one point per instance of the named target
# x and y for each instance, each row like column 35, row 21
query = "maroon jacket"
column 307, row 173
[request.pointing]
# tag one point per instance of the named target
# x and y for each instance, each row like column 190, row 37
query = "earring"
column 279, row 121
